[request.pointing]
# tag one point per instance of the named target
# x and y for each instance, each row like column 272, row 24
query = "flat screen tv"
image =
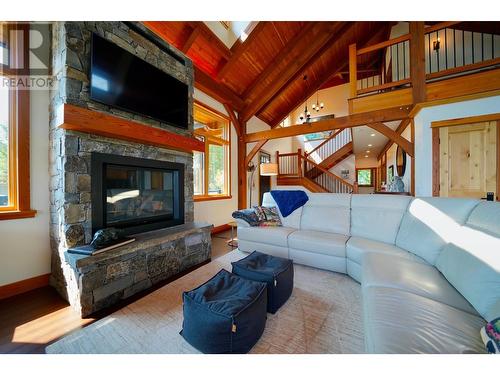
column 120, row 79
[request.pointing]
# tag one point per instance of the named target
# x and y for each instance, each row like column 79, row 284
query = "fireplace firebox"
column 134, row 194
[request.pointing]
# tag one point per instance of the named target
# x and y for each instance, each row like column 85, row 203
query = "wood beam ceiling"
column 192, row 37
column 217, row 91
column 300, row 50
column 350, row 121
column 240, row 49
column 211, row 38
column 234, row 119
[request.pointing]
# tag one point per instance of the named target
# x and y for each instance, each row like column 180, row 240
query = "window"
column 211, row 168
column 14, row 124
column 365, row 177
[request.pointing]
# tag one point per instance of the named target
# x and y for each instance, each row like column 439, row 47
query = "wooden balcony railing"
column 448, row 51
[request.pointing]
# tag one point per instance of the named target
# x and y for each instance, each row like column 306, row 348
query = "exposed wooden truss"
column 405, row 144
column 350, row 121
column 399, row 130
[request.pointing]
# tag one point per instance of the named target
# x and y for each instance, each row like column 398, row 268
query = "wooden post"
column 353, row 71
column 299, row 165
column 242, row 168
column 355, row 188
column 278, row 161
column 417, row 61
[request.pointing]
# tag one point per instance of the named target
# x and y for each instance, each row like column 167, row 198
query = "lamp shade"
column 269, row 169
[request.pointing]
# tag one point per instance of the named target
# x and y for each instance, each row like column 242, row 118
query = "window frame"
column 372, row 177
column 19, row 206
column 206, row 157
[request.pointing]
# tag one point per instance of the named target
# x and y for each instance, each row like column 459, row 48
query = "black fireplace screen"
column 134, row 193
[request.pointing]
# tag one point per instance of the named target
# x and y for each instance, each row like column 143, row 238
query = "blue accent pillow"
column 247, row 215
column 275, row 271
column 289, row 200
column 227, row 314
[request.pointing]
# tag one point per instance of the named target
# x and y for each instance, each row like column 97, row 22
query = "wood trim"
column 435, row 162
column 349, row 121
column 234, row 120
column 384, row 44
column 466, row 120
column 87, row 121
column 441, row 25
column 498, row 160
column 456, row 99
column 254, row 151
column 205, row 198
column 463, row 69
column 213, row 39
column 210, row 109
column 192, row 37
column 412, row 176
column 220, row 228
column 401, row 82
column 24, row 286
column 13, row 215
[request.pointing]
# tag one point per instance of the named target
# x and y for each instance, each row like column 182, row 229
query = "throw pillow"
column 247, row 215
column 491, row 336
column 268, row 216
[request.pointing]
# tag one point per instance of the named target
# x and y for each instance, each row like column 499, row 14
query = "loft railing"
column 330, row 145
column 295, row 165
column 448, row 52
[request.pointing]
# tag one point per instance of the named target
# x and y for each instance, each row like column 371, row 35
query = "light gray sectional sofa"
column 429, row 267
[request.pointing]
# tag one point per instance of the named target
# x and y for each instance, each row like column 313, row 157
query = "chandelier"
column 306, row 115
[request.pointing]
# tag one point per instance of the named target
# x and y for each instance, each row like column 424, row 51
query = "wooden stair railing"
column 327, row 180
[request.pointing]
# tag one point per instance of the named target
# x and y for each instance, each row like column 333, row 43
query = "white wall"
column 423, row 134
column 283, row 145
column 391, row 160
column 219, row 212
column 25, row 247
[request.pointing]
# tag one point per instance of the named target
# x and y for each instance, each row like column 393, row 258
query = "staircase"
column 330, row 152
column 299, row 168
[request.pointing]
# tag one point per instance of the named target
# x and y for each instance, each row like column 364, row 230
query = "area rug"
column 323, row 315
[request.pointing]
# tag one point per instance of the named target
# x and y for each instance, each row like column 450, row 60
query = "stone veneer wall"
column 70, row 151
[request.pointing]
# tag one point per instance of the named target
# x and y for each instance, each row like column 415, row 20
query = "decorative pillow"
column 268, row 216
column 491, row 336
column 247, row 215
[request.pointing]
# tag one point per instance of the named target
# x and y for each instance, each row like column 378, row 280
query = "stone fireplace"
column 163, row 190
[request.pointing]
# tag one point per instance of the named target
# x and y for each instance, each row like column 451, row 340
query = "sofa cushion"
column 418, row 278
column 292, row 220
column 277, row 236
column 424, row 225
column 318, row 242
column 377, row 216
column 485, row 217
column 358, row 247
column 473, row 268
column 327, row 212
column 398, row 321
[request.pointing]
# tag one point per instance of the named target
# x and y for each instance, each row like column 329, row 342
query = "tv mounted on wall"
column 123, row 80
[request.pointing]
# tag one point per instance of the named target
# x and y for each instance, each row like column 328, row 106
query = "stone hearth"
column 70, row 170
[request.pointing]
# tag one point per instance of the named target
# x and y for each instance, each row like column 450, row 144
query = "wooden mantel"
column 88, row 121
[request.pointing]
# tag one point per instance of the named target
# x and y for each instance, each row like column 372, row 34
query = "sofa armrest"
column 242, row 223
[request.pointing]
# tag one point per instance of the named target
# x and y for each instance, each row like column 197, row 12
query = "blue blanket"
column 289, row 200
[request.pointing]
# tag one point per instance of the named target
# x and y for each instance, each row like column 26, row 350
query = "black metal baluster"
column 397, row 59
column 473, row 52
column 492, row 46
column 482, row 46
column 463, row 48
column 454, row 49
column 404, row 61
column 430, row 54
column 437, row 52
column 445, row 51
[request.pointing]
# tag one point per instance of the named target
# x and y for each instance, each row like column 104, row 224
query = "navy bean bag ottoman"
column 276, row 272
column 227, row 314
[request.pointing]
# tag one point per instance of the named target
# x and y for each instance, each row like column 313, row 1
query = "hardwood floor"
column 31, row 321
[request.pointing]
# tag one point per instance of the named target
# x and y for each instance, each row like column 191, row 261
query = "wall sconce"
column 436, row 44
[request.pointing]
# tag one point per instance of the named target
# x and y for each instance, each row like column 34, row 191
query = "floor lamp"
column 266, row 169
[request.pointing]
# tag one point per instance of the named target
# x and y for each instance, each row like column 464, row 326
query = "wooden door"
column 468, row 160
column 264, row 181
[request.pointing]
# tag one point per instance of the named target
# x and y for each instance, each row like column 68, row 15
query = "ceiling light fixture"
column 366, row 156
column 306, row 115
column 372, row 135
column 370, row 145
column 367, row 151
